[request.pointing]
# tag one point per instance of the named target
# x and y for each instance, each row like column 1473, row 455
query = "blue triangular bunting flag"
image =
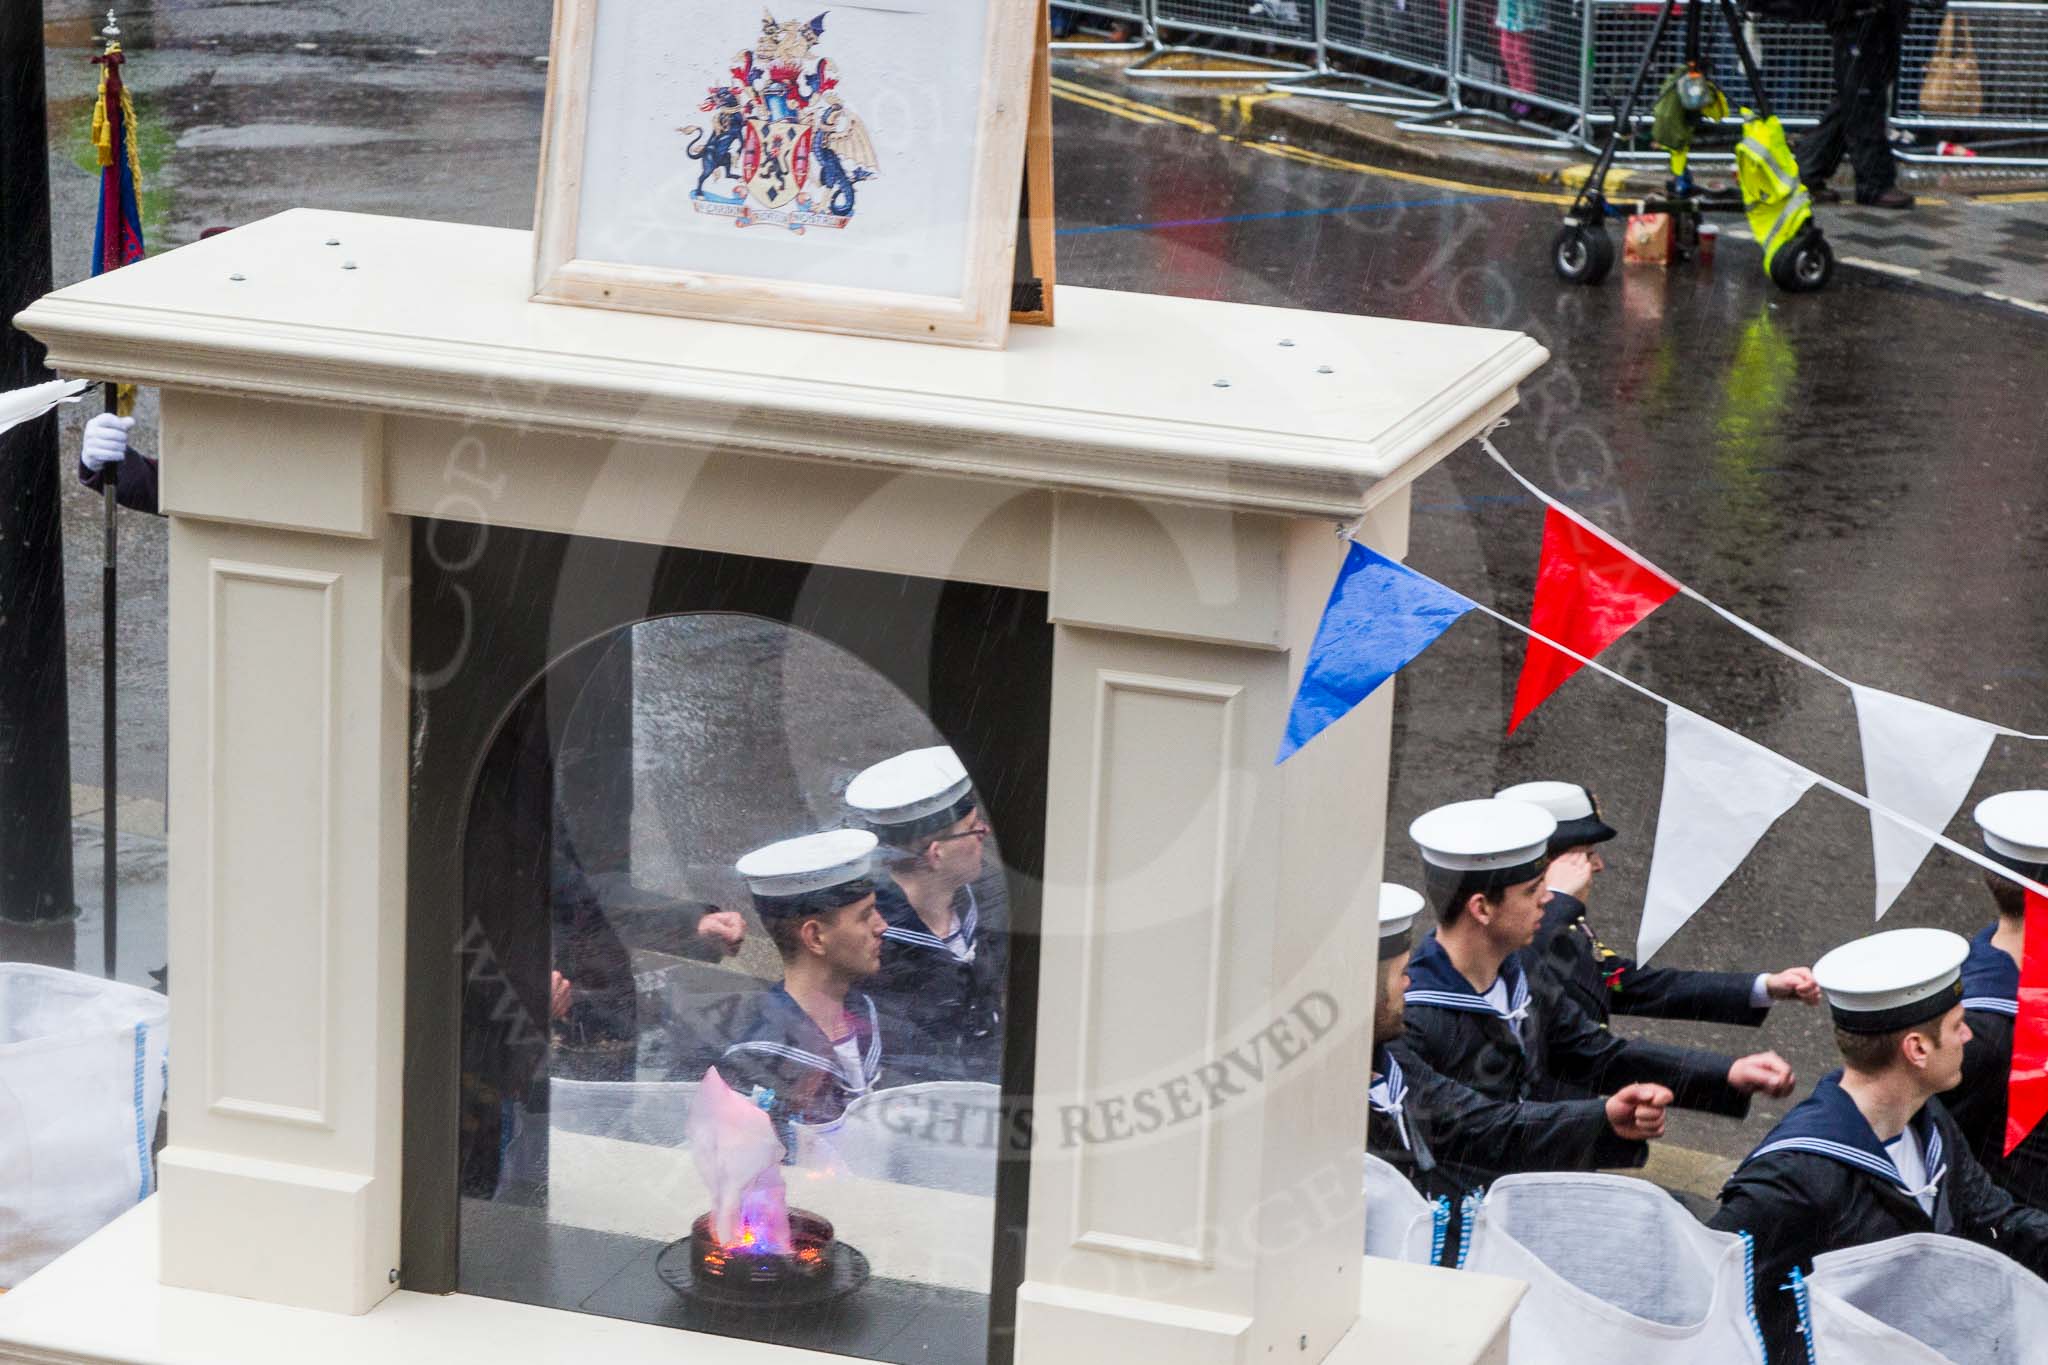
column 1379, row 617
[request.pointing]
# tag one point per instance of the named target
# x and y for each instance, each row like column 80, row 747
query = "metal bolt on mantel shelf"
column 1286, row 341
column 348, row 265
column 238, row 277
column 1222, row 384
column 334, row 241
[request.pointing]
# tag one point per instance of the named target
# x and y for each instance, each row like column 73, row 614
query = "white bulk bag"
column 1618, row 1272
column 1400, row 1224
column 1924, row 1299
column 82, row 1069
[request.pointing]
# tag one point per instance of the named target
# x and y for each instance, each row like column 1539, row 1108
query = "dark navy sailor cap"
column 912, row 794
column 1398, row 908
column 1576, row 808
column 812, row 865
column 1893, row 980
column 2015, row 826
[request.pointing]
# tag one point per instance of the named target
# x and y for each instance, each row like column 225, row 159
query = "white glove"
column 106, row 441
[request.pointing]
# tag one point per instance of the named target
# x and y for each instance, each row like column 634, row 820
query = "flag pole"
column 112, row 250
column 108, row 877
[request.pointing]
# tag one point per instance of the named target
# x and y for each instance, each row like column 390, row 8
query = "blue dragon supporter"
column 1872, row 1154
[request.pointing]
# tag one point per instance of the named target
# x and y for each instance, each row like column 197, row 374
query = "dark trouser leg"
column 1820, row 151
column 1877, row 66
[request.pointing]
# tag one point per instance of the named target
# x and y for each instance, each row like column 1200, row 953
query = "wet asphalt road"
column 1862, row 472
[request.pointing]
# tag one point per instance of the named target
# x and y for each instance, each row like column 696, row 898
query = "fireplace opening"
column 669, row 1100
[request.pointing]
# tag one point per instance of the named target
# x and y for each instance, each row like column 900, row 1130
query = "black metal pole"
column 109, row 835
column 36, row 904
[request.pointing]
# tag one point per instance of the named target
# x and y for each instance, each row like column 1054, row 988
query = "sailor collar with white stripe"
column 1434, row 980
column 797, row 1024
column 1991, row 979
column 905, row 926
column 1828, row 1124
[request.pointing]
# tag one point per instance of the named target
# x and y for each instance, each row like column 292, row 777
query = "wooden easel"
column 1031, row 291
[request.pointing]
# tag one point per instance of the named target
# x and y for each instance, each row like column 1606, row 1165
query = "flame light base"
column 818, row 1269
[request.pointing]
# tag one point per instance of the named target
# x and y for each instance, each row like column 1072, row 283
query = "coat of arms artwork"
column 851, row 168
column 782, row 145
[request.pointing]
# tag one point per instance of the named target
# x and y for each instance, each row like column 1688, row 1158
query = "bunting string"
column 1819, row 779
column 1748, row 628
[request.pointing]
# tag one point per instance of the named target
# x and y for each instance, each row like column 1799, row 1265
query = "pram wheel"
column 1804, row 264
column 1582, row 253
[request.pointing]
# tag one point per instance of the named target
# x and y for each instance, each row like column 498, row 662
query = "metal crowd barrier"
column 1573, row 60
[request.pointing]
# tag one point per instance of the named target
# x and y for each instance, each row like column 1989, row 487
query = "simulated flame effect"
column 740, row 1160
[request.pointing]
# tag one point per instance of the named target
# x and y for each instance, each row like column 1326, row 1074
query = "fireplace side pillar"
column 288, row 657
column 1206, row 986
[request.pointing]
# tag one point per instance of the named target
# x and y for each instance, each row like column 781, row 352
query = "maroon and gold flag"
column 117, row 237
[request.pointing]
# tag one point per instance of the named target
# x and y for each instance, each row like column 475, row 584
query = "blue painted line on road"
column 1169, row 223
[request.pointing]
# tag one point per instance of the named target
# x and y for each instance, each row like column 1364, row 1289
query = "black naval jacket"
column 1454, row 1029
column 942, row 1018
column 1602, row 982
column 1991, row 995
column 135, row 482
column 1823, row 1182
column 1449, row 1139
column 778, row 1048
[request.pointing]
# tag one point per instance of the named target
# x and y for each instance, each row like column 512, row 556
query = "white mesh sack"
column 1400, row 1224
column 1924, row 1299
column 1618, row 1274
column 942, row 1135
column 82, row 1072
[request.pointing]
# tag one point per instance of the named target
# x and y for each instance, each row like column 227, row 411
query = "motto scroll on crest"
column 782, row 146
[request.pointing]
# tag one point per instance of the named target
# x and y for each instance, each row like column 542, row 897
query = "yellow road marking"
column 1101, row 107
column 1083, row 94
column 2014, row 197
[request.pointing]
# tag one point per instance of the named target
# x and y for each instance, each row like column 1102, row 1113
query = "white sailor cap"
column 2015, row 826
column 1398, row 908
column 810, row 863
column 1483, row 836
column 911, row 789
column 1575, row 807
column 1893, row 980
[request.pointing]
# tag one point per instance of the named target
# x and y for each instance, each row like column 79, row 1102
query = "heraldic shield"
column 775, row 162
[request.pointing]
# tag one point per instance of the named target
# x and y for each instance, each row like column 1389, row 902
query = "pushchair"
column 1797, row 256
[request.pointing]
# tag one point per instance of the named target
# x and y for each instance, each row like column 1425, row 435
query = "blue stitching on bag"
column 1797, row 1287
column 1749, row 1290
column 141, row 1138
column 1468, row 1215
column 1439, row 1227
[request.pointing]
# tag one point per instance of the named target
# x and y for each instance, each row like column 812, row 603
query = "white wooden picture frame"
column 848, row 167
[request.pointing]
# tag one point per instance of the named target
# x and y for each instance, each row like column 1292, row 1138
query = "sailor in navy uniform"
column 1449, row 1139
column 2015, row 830
column 1603, row 982
column 940, row 989
column 1872, row 1154
column 810, row 1046
column 1471, row 1012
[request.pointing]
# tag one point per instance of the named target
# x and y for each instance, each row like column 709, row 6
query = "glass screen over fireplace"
column 669, row 1092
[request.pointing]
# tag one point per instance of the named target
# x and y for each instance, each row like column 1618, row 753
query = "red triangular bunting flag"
column 1588, row 593
column 2026, row 1091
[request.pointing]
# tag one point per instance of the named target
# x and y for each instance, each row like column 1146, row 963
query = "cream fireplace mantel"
column 1169, row 471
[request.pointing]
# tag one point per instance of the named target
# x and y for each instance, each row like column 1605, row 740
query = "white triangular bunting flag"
column 25, row 405
column 1721, row 792
column 1920, row 761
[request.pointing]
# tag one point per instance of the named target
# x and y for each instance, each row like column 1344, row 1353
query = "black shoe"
column 1893, row 198
column 1821, row 194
